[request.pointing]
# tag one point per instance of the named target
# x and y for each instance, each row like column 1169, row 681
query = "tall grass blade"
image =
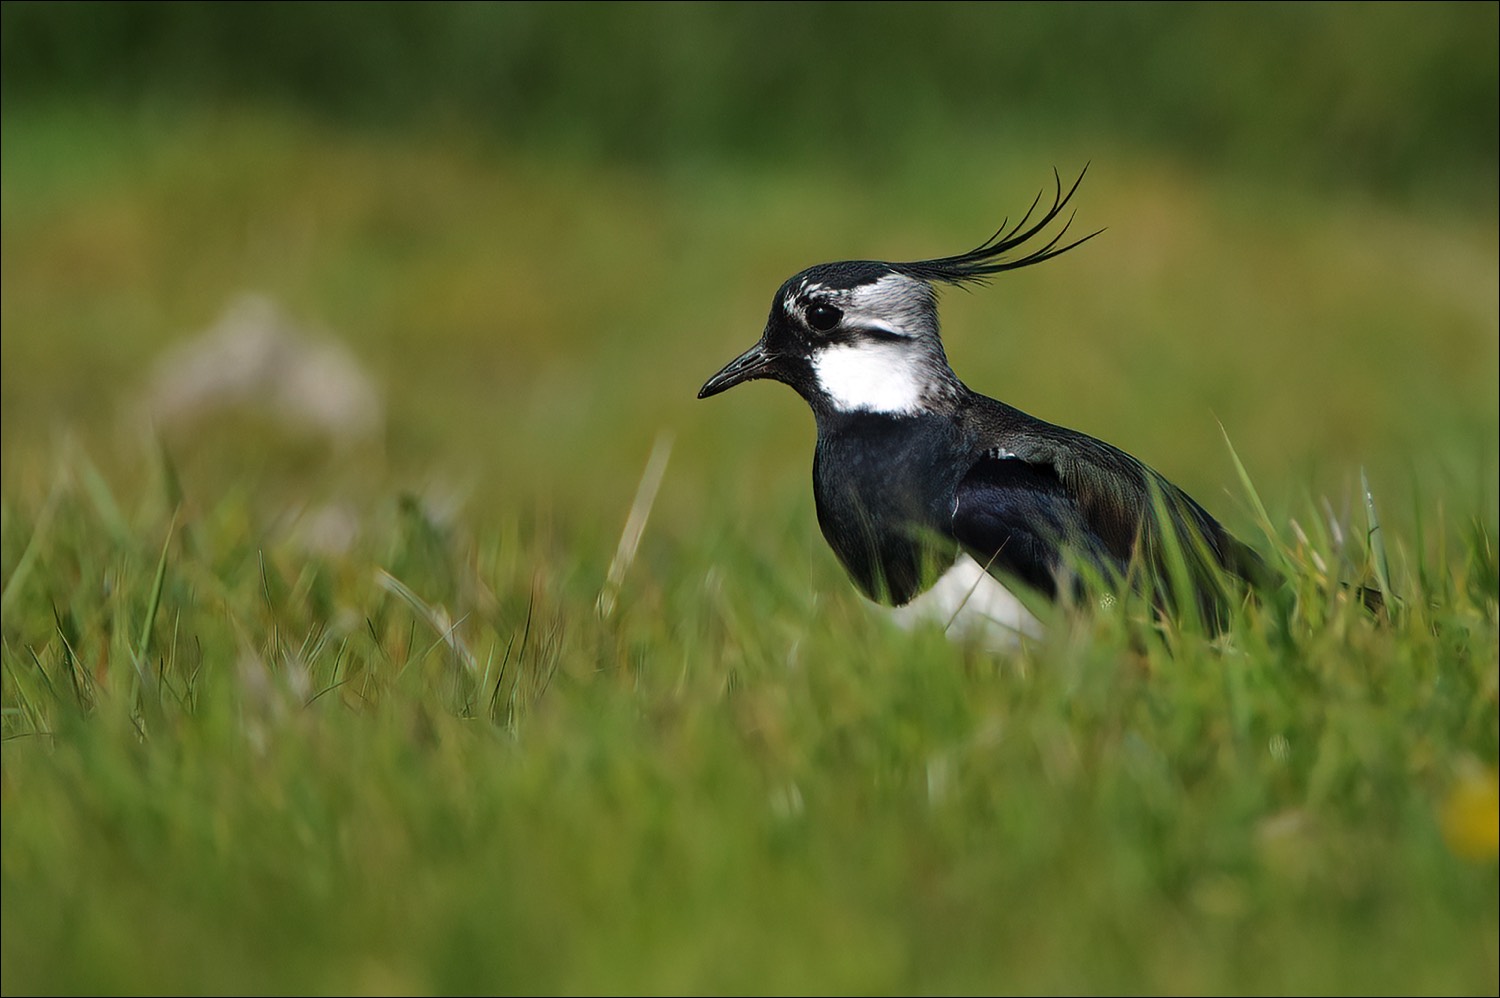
column 1263, row 518
column 635, row 523
column 101, row 495
column 1178, row 585
column 27, row 562
column 70, row 659
column 436, row 617
column 1376, row 541
column 143, row 644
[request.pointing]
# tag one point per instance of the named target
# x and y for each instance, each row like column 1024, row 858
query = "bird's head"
column 862, row 335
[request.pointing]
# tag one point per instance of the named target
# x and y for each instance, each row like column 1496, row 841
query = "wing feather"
column 1041, row 500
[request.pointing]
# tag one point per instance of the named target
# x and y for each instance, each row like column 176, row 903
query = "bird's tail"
column 1241, row 560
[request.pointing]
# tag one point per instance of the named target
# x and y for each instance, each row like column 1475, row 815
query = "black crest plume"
column 976, row 266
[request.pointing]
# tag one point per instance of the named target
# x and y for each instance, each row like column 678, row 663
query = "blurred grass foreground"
column 342, row 342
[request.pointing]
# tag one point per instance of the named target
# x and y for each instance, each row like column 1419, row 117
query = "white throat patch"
column 871, row 377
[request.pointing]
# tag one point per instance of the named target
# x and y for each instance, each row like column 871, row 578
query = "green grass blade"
column 1262, row 517
column 1376, row 541
column 27, row 562
column 143, row 645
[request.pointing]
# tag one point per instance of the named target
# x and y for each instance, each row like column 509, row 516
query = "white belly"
column 970, row 604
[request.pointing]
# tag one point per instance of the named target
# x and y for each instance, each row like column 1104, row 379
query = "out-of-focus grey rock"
column 256, row 358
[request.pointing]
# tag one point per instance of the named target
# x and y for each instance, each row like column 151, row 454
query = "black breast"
column 884, row 486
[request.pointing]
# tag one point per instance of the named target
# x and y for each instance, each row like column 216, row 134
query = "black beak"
column 753, row 363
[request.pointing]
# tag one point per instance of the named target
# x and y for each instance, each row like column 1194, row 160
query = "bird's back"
column 1040, row 495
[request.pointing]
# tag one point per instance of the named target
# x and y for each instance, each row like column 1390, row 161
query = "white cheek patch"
column 870, row 377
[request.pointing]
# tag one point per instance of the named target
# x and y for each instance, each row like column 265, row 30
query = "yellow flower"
column 1471, row 814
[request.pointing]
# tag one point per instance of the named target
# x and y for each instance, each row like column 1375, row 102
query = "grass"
column 732, row 782
column 282, row 714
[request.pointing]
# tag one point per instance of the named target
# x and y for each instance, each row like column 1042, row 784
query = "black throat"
column 885, row 487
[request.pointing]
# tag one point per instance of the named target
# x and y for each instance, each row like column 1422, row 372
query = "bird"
column 928, row 490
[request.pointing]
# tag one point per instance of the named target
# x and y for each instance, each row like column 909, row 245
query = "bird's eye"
column 823, row 317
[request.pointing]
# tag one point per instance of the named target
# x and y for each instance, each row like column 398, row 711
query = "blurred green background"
column 336, row 290
column 1387, row 98
column 538, row 228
